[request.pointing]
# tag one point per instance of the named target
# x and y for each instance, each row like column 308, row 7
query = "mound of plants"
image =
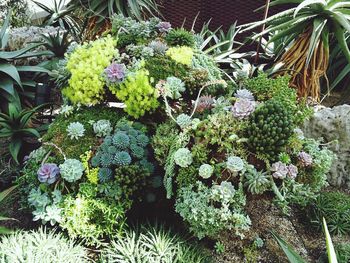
column 153, row 244
column 41, row 246
column 229, row 150
column 129, row 64
column 90, row 168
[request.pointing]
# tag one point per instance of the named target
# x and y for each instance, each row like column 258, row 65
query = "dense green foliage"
column 335, row 208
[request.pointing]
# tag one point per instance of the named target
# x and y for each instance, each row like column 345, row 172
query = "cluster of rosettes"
column 125, row 147
column 86, row 65
column 281, row 170
column 269, row 128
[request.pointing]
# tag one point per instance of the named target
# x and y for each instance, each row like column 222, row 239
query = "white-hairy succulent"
column 66, row 110
column 102, row 128
column 71, row 170
column 183, row 157
column 75, row 130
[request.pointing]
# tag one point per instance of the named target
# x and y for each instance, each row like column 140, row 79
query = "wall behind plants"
column 222, row 12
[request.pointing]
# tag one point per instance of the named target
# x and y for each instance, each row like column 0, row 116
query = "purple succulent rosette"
column 164, row 27
column 292, row 171
column 243, row 108
column 115, row 72
column 48, row 173
column 280, row 170
column 305, row 159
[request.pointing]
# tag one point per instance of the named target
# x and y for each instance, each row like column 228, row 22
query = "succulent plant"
column 137, row 151
column 205, row 103
column 102, row 128
column 105, row 175
column 183, row 120
column 115, row 73
column 244, row 94
column 106, row 159
column 174, row 87
column 256, row 181
column 235, row 164
column 66, row 110
column 122, row 158
column 147, row 165
column 121, row 140
column 112, row 149
column 305, row 159
column 164, row 27
column 71, row 170
column 183, row 157
column 243, row 108
column 180, row 37
column 108, row 140
column 205, row 171
column 48, row 173
column 280, row 170
column 158, row 47
column 269, row 128
column 142, row 140
column 292, row 171
column 75, row 130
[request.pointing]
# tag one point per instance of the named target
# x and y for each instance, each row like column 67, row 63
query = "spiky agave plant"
column 308, row 28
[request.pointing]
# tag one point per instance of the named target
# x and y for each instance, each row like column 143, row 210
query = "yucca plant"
column 57, row 43
column 16, row 126
column 3, row 195
column 62, row 15
column 99, row 12
column 307, row 30
column 11, row 82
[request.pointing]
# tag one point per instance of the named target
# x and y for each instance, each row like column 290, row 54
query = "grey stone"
column 333, row 125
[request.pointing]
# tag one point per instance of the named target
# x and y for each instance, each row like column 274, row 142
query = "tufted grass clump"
column 335, row 208
column 153, row 244
column 42, row 246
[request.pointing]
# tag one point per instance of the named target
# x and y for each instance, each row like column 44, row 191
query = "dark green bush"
column 180, row 37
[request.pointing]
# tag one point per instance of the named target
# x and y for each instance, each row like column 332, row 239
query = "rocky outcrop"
column 333, row 125
column 265, row 217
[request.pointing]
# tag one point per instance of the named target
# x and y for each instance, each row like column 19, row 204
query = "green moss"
column 57, row 133
column 162, row 67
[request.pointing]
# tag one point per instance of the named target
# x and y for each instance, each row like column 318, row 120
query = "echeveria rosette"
column 292, row 171
column 305, row 159
column 115, row 73
column 280, row 170
column 71, row 170
column 243, row 108
column 244, row 94
column 164, row 27
column 102, row 128
column 205, row 171
column 234, row 164
column 48, row 173
column 183, row 157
